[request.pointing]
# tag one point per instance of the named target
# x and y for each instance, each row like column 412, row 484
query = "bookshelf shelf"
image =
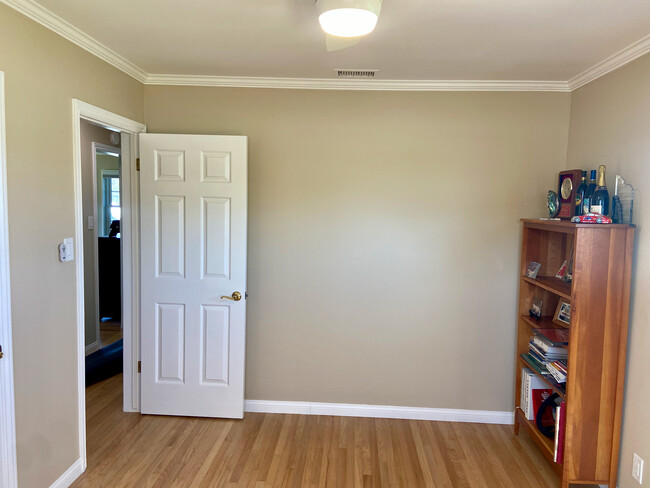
column 599, row 295
column 552, row 284
column 543, row 323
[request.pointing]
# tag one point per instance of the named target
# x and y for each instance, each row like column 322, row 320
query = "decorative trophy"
column 553, row 204
column 623, row 202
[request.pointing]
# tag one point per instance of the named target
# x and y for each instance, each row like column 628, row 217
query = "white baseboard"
column 91, row 348
column 70, row 475
column 380, row 411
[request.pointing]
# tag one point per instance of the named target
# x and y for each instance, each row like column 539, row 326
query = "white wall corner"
column 615, row 61
column 67, row 478
column 380, row 411
column 68, row 31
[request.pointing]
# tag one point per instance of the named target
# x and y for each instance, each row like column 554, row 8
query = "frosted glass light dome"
column 348, row 18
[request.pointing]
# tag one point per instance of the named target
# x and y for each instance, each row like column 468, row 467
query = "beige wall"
column 383, row 232
column 610, row 124
column 383, row 239
column 90, row 133
column 43, row 74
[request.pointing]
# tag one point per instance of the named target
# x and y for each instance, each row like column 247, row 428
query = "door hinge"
column 139, row 366
column 137, row 164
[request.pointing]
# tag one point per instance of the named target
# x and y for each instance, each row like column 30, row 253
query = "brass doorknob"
column 236, row 296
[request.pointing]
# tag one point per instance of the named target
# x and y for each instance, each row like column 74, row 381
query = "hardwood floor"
column 272, row 450
column 109, row 332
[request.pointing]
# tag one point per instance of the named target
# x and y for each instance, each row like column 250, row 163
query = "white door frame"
column 101, row 147
column 130, row 256
column 7, row 405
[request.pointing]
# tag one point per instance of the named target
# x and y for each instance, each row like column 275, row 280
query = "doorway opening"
column 108, row 274
column 100, row 175
column 107, row 242
column 102, row 209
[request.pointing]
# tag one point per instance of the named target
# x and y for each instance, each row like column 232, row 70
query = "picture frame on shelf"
column 563, row 270
column 533, row 269
column 562, row 313
column 568, row 276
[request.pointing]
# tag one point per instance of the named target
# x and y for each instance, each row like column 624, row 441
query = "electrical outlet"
column 637, row 468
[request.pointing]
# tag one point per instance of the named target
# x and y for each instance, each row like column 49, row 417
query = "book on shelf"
column 547, row 360
column 533, row 392
column 553, row 337
column 546, row 357
column 546, row 346
column 558, row 370
column 557, row 433
column 539, row 394
column 535, row 364
column 560, row 428
column 542, row 371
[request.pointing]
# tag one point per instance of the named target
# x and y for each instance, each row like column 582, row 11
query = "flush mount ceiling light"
column 348, row 18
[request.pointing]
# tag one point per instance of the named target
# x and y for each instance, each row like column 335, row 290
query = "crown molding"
column 347, row 84
column 621, row 58
column 56, row 24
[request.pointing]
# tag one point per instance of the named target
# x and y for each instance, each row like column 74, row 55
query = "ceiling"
column 551, row 40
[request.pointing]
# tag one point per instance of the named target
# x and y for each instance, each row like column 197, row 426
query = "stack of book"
column 548, row 347
column 558, row 370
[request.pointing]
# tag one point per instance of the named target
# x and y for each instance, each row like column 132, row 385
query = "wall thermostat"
column 66, row 250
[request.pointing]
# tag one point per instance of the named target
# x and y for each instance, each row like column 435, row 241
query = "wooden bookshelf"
column 545, row 444
column 599, row 294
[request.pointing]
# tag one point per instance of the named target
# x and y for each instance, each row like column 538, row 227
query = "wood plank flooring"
column 109, row 332
column 272, row 450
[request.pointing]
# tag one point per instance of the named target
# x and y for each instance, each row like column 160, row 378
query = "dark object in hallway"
column 103, row 364
column 115, row 228
column 110, row 277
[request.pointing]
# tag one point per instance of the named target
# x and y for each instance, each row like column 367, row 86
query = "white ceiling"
column 552, row 40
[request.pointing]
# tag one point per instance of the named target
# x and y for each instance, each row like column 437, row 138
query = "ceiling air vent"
column 356, row 73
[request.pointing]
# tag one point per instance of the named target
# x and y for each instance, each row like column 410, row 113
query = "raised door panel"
column 215, row 249
column 170, row 236
column 170, row 343
column 215, row 357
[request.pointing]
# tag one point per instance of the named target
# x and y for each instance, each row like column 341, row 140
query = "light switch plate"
column 91, row 223
column 637, row 468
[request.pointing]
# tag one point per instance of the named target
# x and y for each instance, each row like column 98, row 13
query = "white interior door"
column 193, row 193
